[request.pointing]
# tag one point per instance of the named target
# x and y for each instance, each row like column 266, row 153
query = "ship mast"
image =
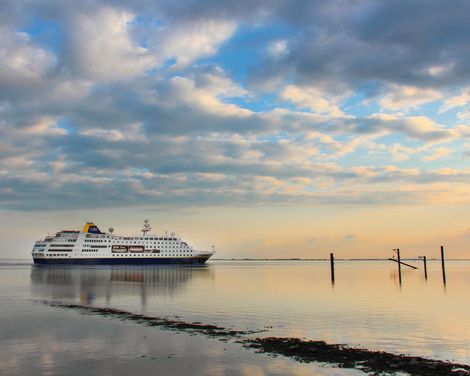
column 146, row 227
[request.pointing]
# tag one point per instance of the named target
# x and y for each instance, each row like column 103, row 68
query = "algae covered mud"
column 234, row 318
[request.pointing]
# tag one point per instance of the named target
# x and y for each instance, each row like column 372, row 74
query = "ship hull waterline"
column 123, row 261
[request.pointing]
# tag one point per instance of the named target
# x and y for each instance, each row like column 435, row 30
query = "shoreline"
column 306, row 351
column 29, row 261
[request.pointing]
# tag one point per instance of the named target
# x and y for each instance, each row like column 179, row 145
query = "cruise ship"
column 93, row 247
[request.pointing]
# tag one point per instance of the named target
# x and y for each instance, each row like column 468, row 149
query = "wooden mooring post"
column 397, row 251
column 443, row 265
column 425, row 266
column 400, row 263
column 332, row 266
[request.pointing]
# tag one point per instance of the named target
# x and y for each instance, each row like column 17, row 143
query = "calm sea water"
column 366, row 306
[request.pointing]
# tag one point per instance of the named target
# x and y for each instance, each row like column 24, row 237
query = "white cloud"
column 72, row 90
column 464, row 115
column 341, row 148
column 46, row 126
column 209, row 97
column 183, row 134
column 278, row 48
column 20, row 59
column 417, row 127
column 312, row 98
column 218, row 84
column 189, row 41
column 439, row 70
column 102, row 47
column 402, row 97
column 422, row 124
column 129, row 132
column 437, row 154
column 401, row 153
column 460, row 100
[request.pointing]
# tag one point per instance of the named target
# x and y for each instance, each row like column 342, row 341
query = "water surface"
column 366, row 306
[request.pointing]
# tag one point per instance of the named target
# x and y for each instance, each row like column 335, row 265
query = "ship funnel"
column 91, row 228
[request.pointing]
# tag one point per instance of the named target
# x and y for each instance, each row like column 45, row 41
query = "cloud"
column 401, row 153
column 400, row 97
column 44, row 127
column 208, row 92
column 278, row 48
column 21, row 59
column 464, row 115
column 312, row 98
column 437, row 154
column 374, row 43
column 132, row 132
column 101, row 46
column 459, row 100
column 197, row 103
column 416, row 127
column 189, row 41
column 71, row 90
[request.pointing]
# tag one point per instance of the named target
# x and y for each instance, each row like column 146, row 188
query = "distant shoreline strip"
column 305, row 351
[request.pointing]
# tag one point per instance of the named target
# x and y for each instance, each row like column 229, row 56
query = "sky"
column 268, row 128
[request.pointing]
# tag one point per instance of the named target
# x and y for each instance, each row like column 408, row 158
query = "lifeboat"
column 136, row 248
column 119, row 249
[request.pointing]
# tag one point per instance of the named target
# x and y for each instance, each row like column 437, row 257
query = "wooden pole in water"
column 397, row 250
column 425, row 268
column 332, row 266
column 399, row 264
column 443, row 265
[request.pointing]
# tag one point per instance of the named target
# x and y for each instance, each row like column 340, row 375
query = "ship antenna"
column 146, row 227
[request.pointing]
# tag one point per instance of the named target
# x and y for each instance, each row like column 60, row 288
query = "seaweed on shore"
column 166, row 323
column 375, row 362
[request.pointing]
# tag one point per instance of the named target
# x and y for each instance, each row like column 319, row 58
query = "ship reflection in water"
column 91, row 284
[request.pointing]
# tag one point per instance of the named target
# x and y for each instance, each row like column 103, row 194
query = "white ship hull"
column 92, row 247
column 121, row 261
